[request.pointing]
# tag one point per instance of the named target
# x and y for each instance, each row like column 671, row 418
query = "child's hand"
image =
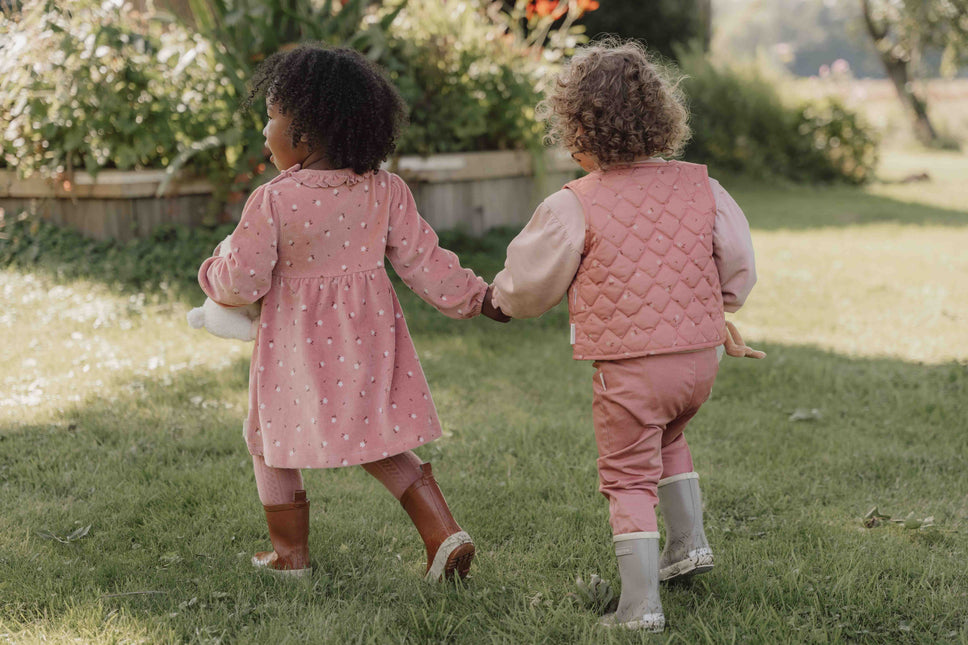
column 735, row 345
column 488, row 309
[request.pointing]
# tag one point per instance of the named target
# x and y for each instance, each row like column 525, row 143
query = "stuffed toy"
column 735, row 346
column 240, row 323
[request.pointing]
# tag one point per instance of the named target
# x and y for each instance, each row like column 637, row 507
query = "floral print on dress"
column 333, row 344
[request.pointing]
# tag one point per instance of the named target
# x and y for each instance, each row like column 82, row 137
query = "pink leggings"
column 277, row 485
column 640, row 408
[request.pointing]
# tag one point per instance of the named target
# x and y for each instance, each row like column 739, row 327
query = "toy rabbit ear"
column 735, row 346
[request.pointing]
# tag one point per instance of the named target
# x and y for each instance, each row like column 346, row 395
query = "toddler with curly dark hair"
column 335, row 379
column 651, row 254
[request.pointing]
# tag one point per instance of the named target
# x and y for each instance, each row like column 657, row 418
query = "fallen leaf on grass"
column 911, row 522
column 875, row 518
column 806, row 414
column 596, row 594
column 75, row 535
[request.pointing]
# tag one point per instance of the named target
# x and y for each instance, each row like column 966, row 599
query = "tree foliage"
column 901, row 30
column 905, row 29
column 661, row 25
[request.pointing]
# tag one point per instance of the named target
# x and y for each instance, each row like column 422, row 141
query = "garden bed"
column 115, row 204
column 475, row 191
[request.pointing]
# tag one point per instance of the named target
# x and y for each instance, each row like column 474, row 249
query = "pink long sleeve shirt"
column 543, row 259
column 335, row 379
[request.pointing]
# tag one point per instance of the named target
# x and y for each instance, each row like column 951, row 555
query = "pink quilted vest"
column 647, row 282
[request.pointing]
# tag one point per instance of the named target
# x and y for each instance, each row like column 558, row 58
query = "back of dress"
column 335, row 379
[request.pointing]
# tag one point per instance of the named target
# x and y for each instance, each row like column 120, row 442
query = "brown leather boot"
column 449, row 549
column 289, row 533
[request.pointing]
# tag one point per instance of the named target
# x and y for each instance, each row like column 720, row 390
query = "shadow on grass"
column 166, row 485
column 785, row 206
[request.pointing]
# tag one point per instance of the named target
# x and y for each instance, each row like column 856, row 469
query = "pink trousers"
column 640, row 408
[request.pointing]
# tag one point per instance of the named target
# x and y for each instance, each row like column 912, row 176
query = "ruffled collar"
column 317, row 178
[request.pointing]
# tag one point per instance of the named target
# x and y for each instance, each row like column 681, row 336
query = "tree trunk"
column 897, row 69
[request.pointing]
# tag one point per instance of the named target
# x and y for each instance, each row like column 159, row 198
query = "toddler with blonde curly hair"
column 651, row 253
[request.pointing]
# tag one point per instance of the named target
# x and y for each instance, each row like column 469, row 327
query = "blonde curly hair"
column 615, row 102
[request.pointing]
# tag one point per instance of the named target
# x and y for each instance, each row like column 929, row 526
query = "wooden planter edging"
column 476, row 191
column 116, row 204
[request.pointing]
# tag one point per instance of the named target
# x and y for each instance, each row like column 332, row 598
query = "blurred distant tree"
column 659, row 24
column 803, row 36
column 901, row 31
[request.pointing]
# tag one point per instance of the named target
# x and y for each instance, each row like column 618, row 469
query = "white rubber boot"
column 639, row 606
column 686, row 551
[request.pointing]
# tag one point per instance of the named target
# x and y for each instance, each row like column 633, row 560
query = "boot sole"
column 699, row 561
column 263, row 565
column 654, row 623
column 454, row 555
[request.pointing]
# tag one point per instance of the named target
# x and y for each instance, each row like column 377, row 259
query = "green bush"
column 661, row 25
column 848, row 144
column 166, row 261
column 741, row 124
column 92, row 85
column 469, row 84
column 89, row 86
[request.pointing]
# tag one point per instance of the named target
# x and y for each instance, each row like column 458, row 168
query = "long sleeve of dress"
column 245, row 274
column 543, row 259
column 433, row 272
column 732, row 249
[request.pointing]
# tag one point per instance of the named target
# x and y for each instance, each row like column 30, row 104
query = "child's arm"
column 733, row 253
column 433, row 272
column 244, row 274
column 732, row 250
column 543, row 259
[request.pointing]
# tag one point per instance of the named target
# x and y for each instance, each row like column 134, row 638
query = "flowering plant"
column 472, row 71
column 549, row 25
column 91, row 85
column 556, row 8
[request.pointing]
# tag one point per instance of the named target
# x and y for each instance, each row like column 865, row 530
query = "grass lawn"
column 128, row 510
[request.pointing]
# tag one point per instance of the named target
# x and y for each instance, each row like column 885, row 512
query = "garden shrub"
column 741, row 124
column 88, row 86
column 167, row 260
column 661, row 25
column 92, row 85
column 468, row 83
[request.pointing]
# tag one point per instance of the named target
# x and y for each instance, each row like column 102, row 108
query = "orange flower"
column 584, row 6
column 542, row 8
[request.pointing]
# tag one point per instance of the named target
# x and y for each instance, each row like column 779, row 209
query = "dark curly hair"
column 614, row 102
column 338, row 100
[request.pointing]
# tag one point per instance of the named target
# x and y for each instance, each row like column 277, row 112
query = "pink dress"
column 335, row 379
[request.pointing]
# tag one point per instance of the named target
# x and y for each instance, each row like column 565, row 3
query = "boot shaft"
column 289, row 531
column 449, row 549
column 638, row 565
column 686, row 550
column 428, row 509
column 680, row 503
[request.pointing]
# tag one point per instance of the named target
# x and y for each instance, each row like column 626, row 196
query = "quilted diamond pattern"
column 647, row 283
